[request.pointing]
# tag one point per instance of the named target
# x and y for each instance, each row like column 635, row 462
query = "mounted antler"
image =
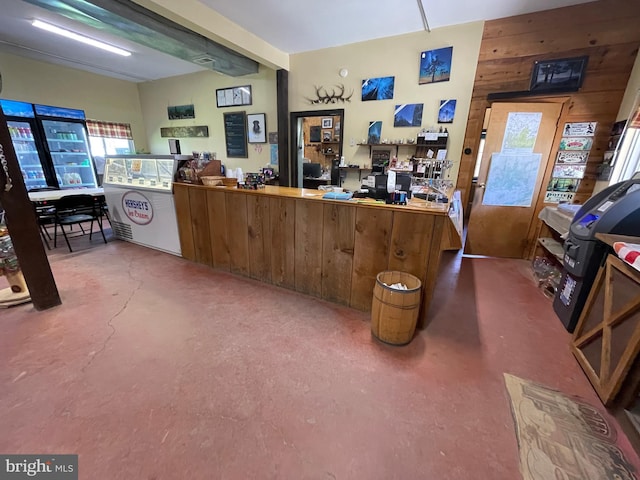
column 322, row 95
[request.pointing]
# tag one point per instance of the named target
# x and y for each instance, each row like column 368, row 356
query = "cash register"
column 614, row 210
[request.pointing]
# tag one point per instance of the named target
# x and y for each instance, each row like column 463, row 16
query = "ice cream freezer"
column 139, row 193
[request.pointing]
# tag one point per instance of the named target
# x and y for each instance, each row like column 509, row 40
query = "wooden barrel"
column 394, row 312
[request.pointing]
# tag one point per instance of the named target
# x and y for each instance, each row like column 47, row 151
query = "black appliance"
column 335, row 172
column 311, row 170
column 51, row 144
column 614, row 210
column 379, row 190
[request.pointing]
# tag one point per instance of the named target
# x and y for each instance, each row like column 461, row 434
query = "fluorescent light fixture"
column 80, row 38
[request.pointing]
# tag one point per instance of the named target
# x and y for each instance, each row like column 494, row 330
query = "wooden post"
column 23, row 228
column 282, row 99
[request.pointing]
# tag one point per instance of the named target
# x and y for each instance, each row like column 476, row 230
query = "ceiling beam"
column 201, row 19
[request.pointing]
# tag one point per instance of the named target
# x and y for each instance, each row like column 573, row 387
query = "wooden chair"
column 76, row 210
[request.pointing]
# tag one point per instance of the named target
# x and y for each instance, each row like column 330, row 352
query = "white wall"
column 101, row 98
column 199, row 89
column 397, row 56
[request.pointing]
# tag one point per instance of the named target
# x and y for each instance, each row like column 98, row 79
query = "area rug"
column 561, row 437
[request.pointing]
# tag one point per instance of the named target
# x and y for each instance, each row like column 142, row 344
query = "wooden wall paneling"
column 308, row 247
column 433, row 267
column 283, row 216
column 183, row 216
column 410, row 233
column 217, row 206
column 200, row 226
column 259, row 231
column 605, row 30
column 338, row 240
column 237, row 233
column 370, row 253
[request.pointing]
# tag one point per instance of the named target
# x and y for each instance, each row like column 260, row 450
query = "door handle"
column 482, row 185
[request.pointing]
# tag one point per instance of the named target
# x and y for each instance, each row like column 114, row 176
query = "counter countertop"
column 415, row 205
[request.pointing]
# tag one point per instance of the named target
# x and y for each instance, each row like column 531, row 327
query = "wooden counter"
column 294, row 238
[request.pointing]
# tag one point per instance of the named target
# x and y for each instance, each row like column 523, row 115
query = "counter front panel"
column 329, row 249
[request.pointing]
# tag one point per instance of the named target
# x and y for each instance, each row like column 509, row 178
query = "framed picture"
column 327, row 122
column 564, row 74
column 314, row 133
column 378, row 88
column 234, row 96
column 181, row 112
column 327, row 135
column 375, row 132
column 435, row 65
column 257, row 127
column 408, row 115
column 447, row 111
column 185, row 132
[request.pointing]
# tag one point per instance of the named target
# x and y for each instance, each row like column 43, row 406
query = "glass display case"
column 154, row 172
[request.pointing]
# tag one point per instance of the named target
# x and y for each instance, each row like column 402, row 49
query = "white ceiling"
column 289, row 25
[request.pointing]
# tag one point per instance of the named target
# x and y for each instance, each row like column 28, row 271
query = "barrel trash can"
column 394, row 312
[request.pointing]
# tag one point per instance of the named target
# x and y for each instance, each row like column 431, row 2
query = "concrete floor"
column 157, row 368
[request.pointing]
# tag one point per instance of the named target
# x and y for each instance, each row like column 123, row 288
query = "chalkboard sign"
column 235, row 132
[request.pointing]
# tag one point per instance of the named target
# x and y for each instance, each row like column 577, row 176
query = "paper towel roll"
column 391, row 181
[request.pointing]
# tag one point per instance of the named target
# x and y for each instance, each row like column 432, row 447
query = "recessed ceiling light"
column 80, row 38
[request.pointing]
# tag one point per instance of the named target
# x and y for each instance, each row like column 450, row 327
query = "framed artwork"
column 273, row 137
column 435, row 65
column 327, row 135
column 181, row 112
column 377, row 88
column 408, row 115
column 184, row 132
column 375, row 132
column 447, row 111
column 257, row 127
column 564, row 74
column 315, row 134
column 327, row 122
column 234, row 96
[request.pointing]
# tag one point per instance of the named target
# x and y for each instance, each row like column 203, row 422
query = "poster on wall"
column 572, row 157
column 521, row 132
column 557, row 197
column 512, row 179
column 273, row 154
column 576, row 143
column 584, row 129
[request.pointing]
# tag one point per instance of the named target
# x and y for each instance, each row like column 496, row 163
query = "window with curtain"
column 109, row 138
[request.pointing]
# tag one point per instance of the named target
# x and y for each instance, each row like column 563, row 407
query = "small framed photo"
column 326, row 135
column 327, row 123
column 564, row 74
column 257, row 128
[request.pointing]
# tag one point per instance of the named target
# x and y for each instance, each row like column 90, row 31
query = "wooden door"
column 515, row 156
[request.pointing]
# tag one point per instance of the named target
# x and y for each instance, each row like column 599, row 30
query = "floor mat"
column 561, row 437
